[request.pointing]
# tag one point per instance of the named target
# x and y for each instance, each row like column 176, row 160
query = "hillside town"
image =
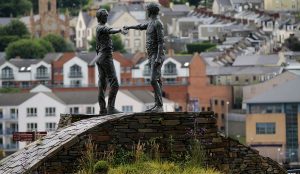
column 237, row 58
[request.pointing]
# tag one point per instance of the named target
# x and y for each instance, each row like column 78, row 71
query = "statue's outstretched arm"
column 137, row 27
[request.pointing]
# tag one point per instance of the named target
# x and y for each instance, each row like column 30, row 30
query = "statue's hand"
column 124, row 32
column 125, row 28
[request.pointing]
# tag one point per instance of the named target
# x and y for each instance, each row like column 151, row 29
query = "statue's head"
column 152, row 9
column 101, row 15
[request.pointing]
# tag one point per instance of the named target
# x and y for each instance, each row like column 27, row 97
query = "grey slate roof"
column 180, row 8
column 23, row 62
column 86, row 18
column 284, row 93
column 224, row 3
column 50, row 57
column 142, row 96
column 14, row 99
column 251, row 60
column 231, row 70
column 2, row 57
column 183, row 59
column 78, row 97
column 88, row 57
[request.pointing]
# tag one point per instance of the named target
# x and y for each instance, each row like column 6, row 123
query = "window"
column 216, row 115
column 1, row 113
column 7, row 73
column 265, row 108
column 128, row 69
column 216, row 102
column 31, row 127
column 222, row 102
column 75, row 71
column 146, row 70
column 123, row 69
column 49, row 5
column 24, row 84
column 90, row 110
column 127, row 109
column 50, row 111
column 127, row 43
column 50, row 127
column 170, row 69
column 75, row 83
column 208, row 109
column 236, row 78
column 13, row 113
column 41, row 72
column 137, row 43
column 254, row 78
column 265, row 128
column 137, row 33
column 222, row 116
column 74, row 110
column 31, row 112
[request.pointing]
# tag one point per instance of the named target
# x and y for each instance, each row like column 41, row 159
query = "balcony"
column 146, row 73
column 75, row 75
column 42, row 76
column 170, row 73
column 9, row 131
column 7, row 76
column 11, row 146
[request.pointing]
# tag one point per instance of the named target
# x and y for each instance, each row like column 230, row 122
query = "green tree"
column 46, row 45
column 26, row 48
column 179, row 1
column 16, row 28
column 117, row 43
column 58, row 42
column 14, row 8
column 12, row 32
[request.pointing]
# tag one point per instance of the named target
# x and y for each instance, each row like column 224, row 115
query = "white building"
column 40, row 109
column 175, row 70
column 24, row 72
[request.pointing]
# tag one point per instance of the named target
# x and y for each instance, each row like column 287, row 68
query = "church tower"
column 47, row 6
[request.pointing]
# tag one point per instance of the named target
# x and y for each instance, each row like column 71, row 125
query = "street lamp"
column 227, row 119
column 278, row 152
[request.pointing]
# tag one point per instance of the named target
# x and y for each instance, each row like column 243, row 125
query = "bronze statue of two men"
column 104, row 48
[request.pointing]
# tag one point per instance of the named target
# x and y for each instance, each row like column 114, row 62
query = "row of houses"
column 40, row 109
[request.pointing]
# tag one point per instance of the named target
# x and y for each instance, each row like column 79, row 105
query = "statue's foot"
column 103, row 112
column 155, row 109
column 113, row 111
column 149, row 110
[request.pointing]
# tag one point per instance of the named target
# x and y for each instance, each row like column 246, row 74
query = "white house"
column 175, row 69
column 24, row 72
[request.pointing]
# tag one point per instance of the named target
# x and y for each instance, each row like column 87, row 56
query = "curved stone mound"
column 60, row 151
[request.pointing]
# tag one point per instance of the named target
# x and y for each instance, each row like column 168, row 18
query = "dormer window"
column 170, row 69
column 42, row 72
column 7, row 73
column 75, row 71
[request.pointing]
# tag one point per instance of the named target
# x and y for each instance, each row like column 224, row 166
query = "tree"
column 14, row 8
column 14, row 31
column 26, row 48
column 292, row 43
column 58, row 42
column 117, row 44
column 16, row 28
column 46, row 45
column 194, row 2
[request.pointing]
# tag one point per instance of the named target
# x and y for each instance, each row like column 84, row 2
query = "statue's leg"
column 102, row 88
column 157, row 86
column 114, row 85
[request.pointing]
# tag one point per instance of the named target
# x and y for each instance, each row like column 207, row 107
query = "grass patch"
column 155, row 167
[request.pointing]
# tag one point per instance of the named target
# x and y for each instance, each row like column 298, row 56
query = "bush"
column 199, row 47
column 5, row 40
column 101, row 167
column 25, row 48
column 58, row 42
